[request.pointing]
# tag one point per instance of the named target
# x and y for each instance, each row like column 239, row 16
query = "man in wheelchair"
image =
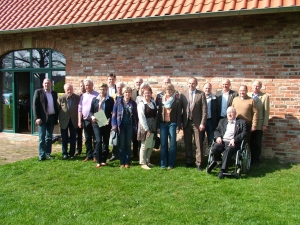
column 229, row 135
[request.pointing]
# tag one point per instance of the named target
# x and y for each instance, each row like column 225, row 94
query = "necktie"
column 191, row 105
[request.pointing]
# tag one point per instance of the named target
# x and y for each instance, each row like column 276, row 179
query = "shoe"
column 187, row 165
column 98, row 166
column 221, row 175
column 49, row 157
column 42, row 159
column 94, row 159
column 103, row 164
column 77, row 153
column 150, row 165
column 144, row 166
column 71, row 157
column 122, row 166
column 86, row 159
column 127, row 166
column 113, row 158
column 211, row 167
column 65, row 157
column 170, row 168
column 200, row 168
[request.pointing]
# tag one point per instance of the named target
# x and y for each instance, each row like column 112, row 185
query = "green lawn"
column 73, row 192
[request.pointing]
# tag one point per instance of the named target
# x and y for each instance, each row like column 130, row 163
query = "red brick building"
column 242, row 43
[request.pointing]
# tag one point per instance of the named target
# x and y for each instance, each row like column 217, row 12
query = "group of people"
column 137, row 118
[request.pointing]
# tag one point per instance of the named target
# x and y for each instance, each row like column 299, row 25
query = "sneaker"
column 150, row 165
column 211, row 167
column 49, row 157
column 127, row 166
column 145, row 167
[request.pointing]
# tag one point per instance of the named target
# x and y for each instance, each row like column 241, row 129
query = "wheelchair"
column 242, row 160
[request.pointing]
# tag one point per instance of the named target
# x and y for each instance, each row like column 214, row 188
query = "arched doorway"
column 21, row 73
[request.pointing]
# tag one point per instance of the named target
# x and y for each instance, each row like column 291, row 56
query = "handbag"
column 157, row 143
column 113, row 139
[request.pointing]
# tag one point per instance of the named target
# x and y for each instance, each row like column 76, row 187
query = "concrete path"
column 15, row 147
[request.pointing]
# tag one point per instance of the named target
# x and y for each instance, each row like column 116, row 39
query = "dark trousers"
column 209, row 132
column 89, row 134
column 136, row 145
column 79, row 140
column 64, row 136
column 188, row 142
column 102, row 140
column 228, row 152
column 255, row 145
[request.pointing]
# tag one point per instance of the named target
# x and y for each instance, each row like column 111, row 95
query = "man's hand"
column 264, row 128
column 201, row 127
column 219, row 140
column 253, row 129
column 231, row 143
column 38, row 121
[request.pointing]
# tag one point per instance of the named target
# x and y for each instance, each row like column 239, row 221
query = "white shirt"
column 50, row 108
column 230, row 129
column 225, row 96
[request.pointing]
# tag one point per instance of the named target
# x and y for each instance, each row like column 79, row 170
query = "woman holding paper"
column 100, row 112
column 169, row 122
column 147, row 114
column 124, row 120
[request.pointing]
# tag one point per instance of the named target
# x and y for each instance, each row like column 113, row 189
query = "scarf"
column 167, row 104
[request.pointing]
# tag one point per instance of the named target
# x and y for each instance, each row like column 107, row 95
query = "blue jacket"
column 117, row 115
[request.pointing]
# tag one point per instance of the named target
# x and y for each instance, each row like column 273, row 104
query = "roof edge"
column 158, row 18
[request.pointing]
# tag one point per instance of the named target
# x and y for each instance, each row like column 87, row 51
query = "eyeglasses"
column 169, row 90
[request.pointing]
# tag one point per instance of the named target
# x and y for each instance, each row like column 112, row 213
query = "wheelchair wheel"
column 209, row 159
column 246, row 159
column 238, row 165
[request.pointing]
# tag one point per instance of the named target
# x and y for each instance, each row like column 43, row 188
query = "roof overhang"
column 158, row 18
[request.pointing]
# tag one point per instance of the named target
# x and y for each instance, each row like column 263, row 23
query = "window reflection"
column 40, row 58
column 58, row 59
column 22, row 59
column 58, row 81
column 7, row 102
column 6, row 61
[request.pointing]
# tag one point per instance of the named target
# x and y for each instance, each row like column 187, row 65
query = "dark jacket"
column 40, row 105
column 232, row 95
column 240, row 130
column 118, row 112
column 175, row 114
column 109, row 104
column 214, row 112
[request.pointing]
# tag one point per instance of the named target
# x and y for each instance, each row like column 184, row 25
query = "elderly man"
column 212, row 113
column 80, row 129
column 246, row 108
column 68, row 119
column 83, row 112
column 137, row 84
column 45, row 112
column 225, row 98
column 263, row 107
column 194, row 120
column 230, row 133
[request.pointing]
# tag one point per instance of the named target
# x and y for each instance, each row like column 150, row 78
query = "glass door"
column 37, row 79
column 7, row 106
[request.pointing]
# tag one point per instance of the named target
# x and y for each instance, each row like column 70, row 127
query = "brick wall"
column 241, row 48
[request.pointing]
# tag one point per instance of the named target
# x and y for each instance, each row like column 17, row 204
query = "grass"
column 73, row 192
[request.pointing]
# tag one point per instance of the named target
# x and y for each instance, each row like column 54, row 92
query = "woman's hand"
column 148, row 133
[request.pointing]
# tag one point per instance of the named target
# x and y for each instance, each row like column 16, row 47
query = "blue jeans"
column 209, row 132
column 64, row 137
column 168, row 157
column 125, row 143
column 102, row 140
column 45, row 131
